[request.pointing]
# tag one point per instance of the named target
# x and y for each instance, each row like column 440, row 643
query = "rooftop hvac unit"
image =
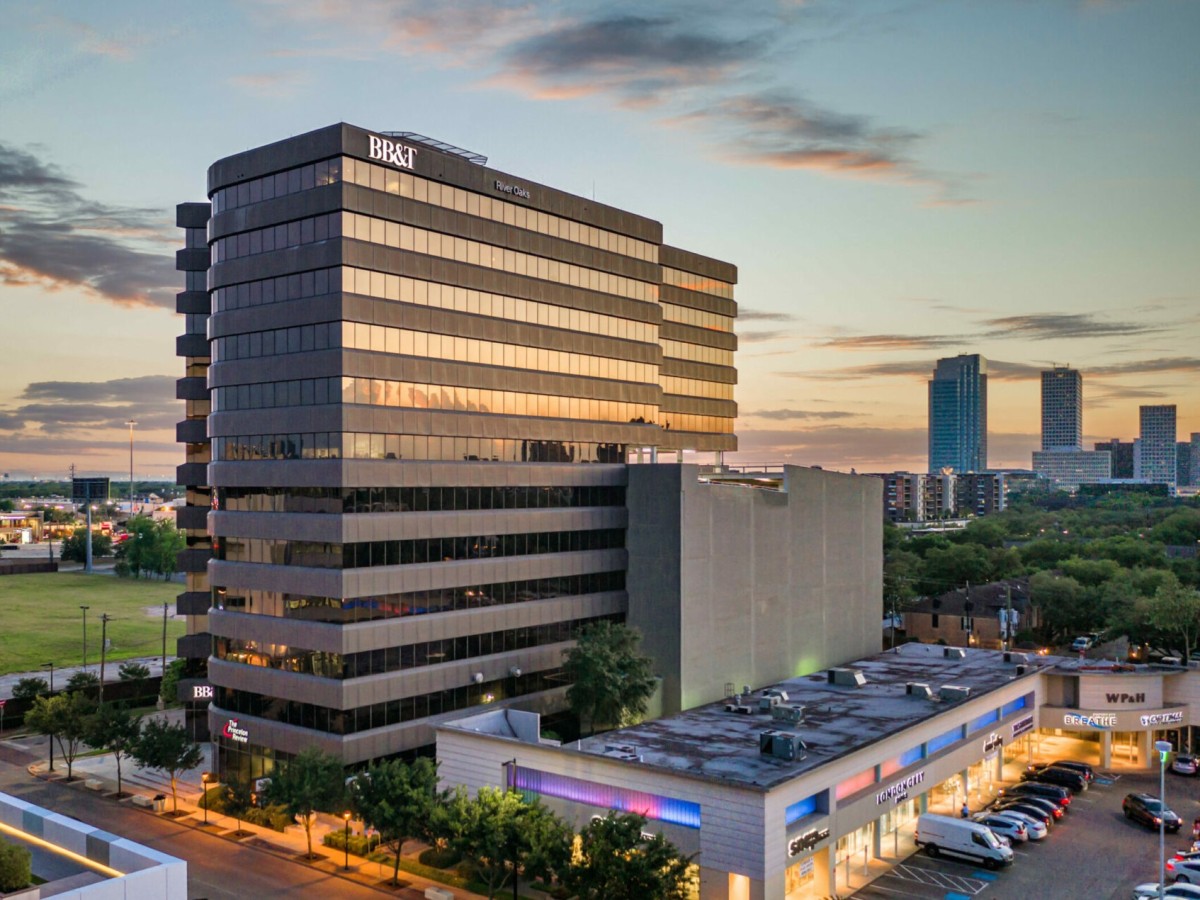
column 954, row 692
column 791, row 714
column 1021, row 670
column 768, row 702
column 847, row 677
column 1019, row 658
column 776, row 692
column 918, row 690
column 738, row 708
column 954, row 653
column 782, row 745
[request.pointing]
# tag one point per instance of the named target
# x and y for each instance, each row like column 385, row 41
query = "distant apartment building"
column 1067, row 469
column 973, row 617
column 1062, row 409
column 958, row 414
column 1121, row 453
column 1187, row 462
column 921, row 497
column 1154, row 457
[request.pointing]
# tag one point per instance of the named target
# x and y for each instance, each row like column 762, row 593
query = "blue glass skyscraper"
column 958, row 414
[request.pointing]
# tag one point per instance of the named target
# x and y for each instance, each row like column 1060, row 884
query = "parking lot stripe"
column 875, row 885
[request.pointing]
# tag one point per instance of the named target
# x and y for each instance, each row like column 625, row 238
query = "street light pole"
column 131, row 423
column 50, row 665
column 1163, row 748
column 346, row 845
column 85, row 609
column 205, row 777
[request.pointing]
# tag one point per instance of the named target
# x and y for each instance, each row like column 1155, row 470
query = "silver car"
column 1002, row 826
column 1035, row 829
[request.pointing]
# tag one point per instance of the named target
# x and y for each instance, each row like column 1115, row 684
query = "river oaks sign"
column 392, row 152
column 517, row 191
column 899, row 790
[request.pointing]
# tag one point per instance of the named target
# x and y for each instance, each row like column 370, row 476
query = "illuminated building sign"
column 1169, row 718
column 992, row 744
column 234, row 732
column 899, row 790
column 1096, row 720
column 506, row 188
column 1022, row 725
column 397, row 154
column 202, row 692
column 807, row 841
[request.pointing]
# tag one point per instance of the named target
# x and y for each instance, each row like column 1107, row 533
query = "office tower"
column 1194, row 453
column 958, row 414
column 1062, row 409
column 1122, row 456
column 1154, row 454
column 427, row 377
column 1187, row 462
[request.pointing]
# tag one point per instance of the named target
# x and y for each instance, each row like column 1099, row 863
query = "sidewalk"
column 99, row 774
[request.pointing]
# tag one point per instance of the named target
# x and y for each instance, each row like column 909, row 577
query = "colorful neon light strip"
column 604, row 796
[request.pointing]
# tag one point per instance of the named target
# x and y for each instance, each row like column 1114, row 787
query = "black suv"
column 1060, row 795
column 1075, row 766
column 1067, row 778
column 1150, row 811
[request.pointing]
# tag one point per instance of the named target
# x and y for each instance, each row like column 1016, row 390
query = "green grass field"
column 40, row 619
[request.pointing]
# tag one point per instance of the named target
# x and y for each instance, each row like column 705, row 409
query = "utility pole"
column 85, row 609
column 1008, row 611
column 164, row 646
column 131, row 423
column 104, row 617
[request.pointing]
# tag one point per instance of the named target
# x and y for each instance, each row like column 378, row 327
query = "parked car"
column 1151, row 812
column 1028, row 808
column 1035, row 828
column 1067, row 778
column 1149, row 891
column 1057, row 793
column 1076, row 766
column 1003, row 826
column 1052, row 807
column 1185, row 870
column 1083, row 642
column 1185, row 764
column 961, row 837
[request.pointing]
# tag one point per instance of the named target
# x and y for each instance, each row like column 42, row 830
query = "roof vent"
column 622, row 751
column 790, row 714
column 847, row 677
column 954, row 653
column 1019, row 658
column 782, row 745
column 1021, row 670
column 918, row 690
column 739, row 708
column 954, row 692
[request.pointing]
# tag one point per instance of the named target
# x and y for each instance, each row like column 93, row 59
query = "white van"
column 962, row 837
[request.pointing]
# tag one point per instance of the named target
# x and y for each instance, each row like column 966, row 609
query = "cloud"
column 759, row 337
column 1053, row 326
column 998, row 370
column 705, row 66
column 1184, row 364
column 53, row 236
column 57, row 407
column 272, row 85
column 745, row 314
column 786, row 414
column 889, row 342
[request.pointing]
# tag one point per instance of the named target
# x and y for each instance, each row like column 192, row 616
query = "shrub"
column 82, row 681
column 133, row 671
column 15, row 863
column 28, row 688
column 440, row 857
column 275, row 816
column 360, row 845
column 213, row 799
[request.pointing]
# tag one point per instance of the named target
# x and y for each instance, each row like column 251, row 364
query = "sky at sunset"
column 896, row 181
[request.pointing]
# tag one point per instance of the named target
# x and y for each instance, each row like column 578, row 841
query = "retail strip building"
column 449, row 413
column 783, row 791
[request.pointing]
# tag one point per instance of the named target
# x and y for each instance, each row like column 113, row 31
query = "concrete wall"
column 740, row 585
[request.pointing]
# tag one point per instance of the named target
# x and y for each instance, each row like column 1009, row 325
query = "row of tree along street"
column 1124, row 564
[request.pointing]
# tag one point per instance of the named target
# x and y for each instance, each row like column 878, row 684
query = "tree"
column 238, row 796
column 151, row 548
column 397, row 799
column 610, row 681
column 618, row 861
column 503, row 833
column 133, row 671
column 313, row 781
column 1175, row 610
column 168, row 688
column 15, row 867
column 168, row 748
column 63, row 719
column 28, row 688
column 115, row 728
column 1062, row 604
column 74, row 546
column 82, row 681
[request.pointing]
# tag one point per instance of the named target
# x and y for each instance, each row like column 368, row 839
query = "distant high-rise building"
column 1195, row 455
column 1122, row 456
column 1187, row 462
column 1067, row 469
column 1154, row 455
column 958, row 414
column 1062, row 409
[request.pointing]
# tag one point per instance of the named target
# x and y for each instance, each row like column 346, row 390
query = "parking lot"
column 1092, row 852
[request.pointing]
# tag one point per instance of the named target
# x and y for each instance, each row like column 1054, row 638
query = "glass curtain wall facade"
column 1062, row 409
column 958, row 414
column 427, row 379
